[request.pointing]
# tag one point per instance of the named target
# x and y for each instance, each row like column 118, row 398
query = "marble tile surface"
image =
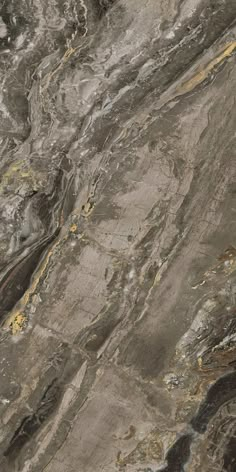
column 117, row 235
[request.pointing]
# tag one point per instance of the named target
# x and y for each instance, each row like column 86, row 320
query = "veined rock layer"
column 117, row 235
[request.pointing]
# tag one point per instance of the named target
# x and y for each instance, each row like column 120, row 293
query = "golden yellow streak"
column 18, row 311
column 63, row 60
column 202, row 75
column 17, row 319
column 18, row 324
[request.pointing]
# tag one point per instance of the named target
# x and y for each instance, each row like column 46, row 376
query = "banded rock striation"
column 117, row 236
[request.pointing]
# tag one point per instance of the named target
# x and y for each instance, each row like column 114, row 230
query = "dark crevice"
column 178, row 455
column 64, row 362
column 230, row 456
column 32, row 423
column 48, row 208
column 221, row 392
column 17, row 280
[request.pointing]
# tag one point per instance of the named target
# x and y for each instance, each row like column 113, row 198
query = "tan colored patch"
column 87, row 209
column 151, row 448
column 73, row 228
column 18, row 169
column 198, row 78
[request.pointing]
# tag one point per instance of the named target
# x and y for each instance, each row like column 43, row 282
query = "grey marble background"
column 117, row 235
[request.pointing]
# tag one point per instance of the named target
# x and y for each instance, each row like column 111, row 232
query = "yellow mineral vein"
column 16, row 317
column 63, row 60
column 203, row 74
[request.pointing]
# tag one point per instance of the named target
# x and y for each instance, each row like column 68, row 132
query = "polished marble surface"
column 117, row 235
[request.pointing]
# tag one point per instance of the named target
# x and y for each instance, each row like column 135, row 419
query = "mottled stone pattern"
column 117, row 235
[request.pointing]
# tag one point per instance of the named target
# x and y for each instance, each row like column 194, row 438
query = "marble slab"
column 117, row 235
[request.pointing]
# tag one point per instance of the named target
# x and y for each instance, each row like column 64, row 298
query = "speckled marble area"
column 117, row 235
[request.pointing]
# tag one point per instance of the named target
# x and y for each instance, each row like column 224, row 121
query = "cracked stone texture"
column 117, row 236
